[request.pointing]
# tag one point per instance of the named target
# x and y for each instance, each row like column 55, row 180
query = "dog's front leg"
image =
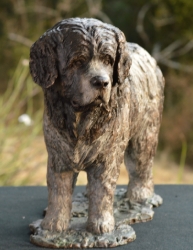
column 101, row 186
column 59, row 200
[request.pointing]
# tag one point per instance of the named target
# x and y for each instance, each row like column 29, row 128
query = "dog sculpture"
column 103, row 104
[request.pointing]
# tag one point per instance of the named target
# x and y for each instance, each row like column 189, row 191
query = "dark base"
column 125, row 213
column 171, row 227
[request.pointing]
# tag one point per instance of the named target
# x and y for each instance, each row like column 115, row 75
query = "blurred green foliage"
column 164, row 28
column 15, row 137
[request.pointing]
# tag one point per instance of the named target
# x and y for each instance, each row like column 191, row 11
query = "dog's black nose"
column 100, row 81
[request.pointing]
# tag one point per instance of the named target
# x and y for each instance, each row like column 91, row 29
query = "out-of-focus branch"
column 184, row 50
column 95, row 10
column 176, row 65
column 140, row 23
column 167, row 52
column 94, row 6
column 103, row 17
column 173, row 50
column 20, row 39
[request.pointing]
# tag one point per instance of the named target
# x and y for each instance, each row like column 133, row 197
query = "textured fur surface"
column 103, row 104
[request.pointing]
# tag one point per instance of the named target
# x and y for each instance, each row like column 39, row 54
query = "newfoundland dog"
column 103, row 105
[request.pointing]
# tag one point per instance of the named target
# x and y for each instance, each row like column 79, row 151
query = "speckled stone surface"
column 122, row 234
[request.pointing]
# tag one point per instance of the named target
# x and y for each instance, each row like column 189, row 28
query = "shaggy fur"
column 103, row 103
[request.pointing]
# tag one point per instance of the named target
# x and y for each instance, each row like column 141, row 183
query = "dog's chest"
column 85, row 138
column 98, row 136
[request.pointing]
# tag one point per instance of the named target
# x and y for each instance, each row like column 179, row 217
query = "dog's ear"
column 123, row 60
column 42, row 64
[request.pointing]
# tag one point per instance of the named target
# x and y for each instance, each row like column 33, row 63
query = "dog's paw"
column 55, row 223
column 144, row 195
column 155, row 200
column 139, row 194
column 101, row 224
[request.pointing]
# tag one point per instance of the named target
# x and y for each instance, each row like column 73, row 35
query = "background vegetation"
column 164, row 28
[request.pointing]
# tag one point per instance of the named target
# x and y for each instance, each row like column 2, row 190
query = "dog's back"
column 146, row 86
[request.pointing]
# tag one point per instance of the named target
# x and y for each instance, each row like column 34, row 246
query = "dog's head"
column 82, row 59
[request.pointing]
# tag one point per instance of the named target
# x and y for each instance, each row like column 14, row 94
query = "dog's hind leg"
column 139, row 157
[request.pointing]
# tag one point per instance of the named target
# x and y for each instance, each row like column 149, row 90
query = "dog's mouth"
column 77, row 107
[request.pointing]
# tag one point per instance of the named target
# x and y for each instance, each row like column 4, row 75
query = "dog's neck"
column 84, row 125
column 88, row 122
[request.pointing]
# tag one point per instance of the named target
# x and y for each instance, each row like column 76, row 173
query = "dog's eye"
column 78, row 63
column 107, row 60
